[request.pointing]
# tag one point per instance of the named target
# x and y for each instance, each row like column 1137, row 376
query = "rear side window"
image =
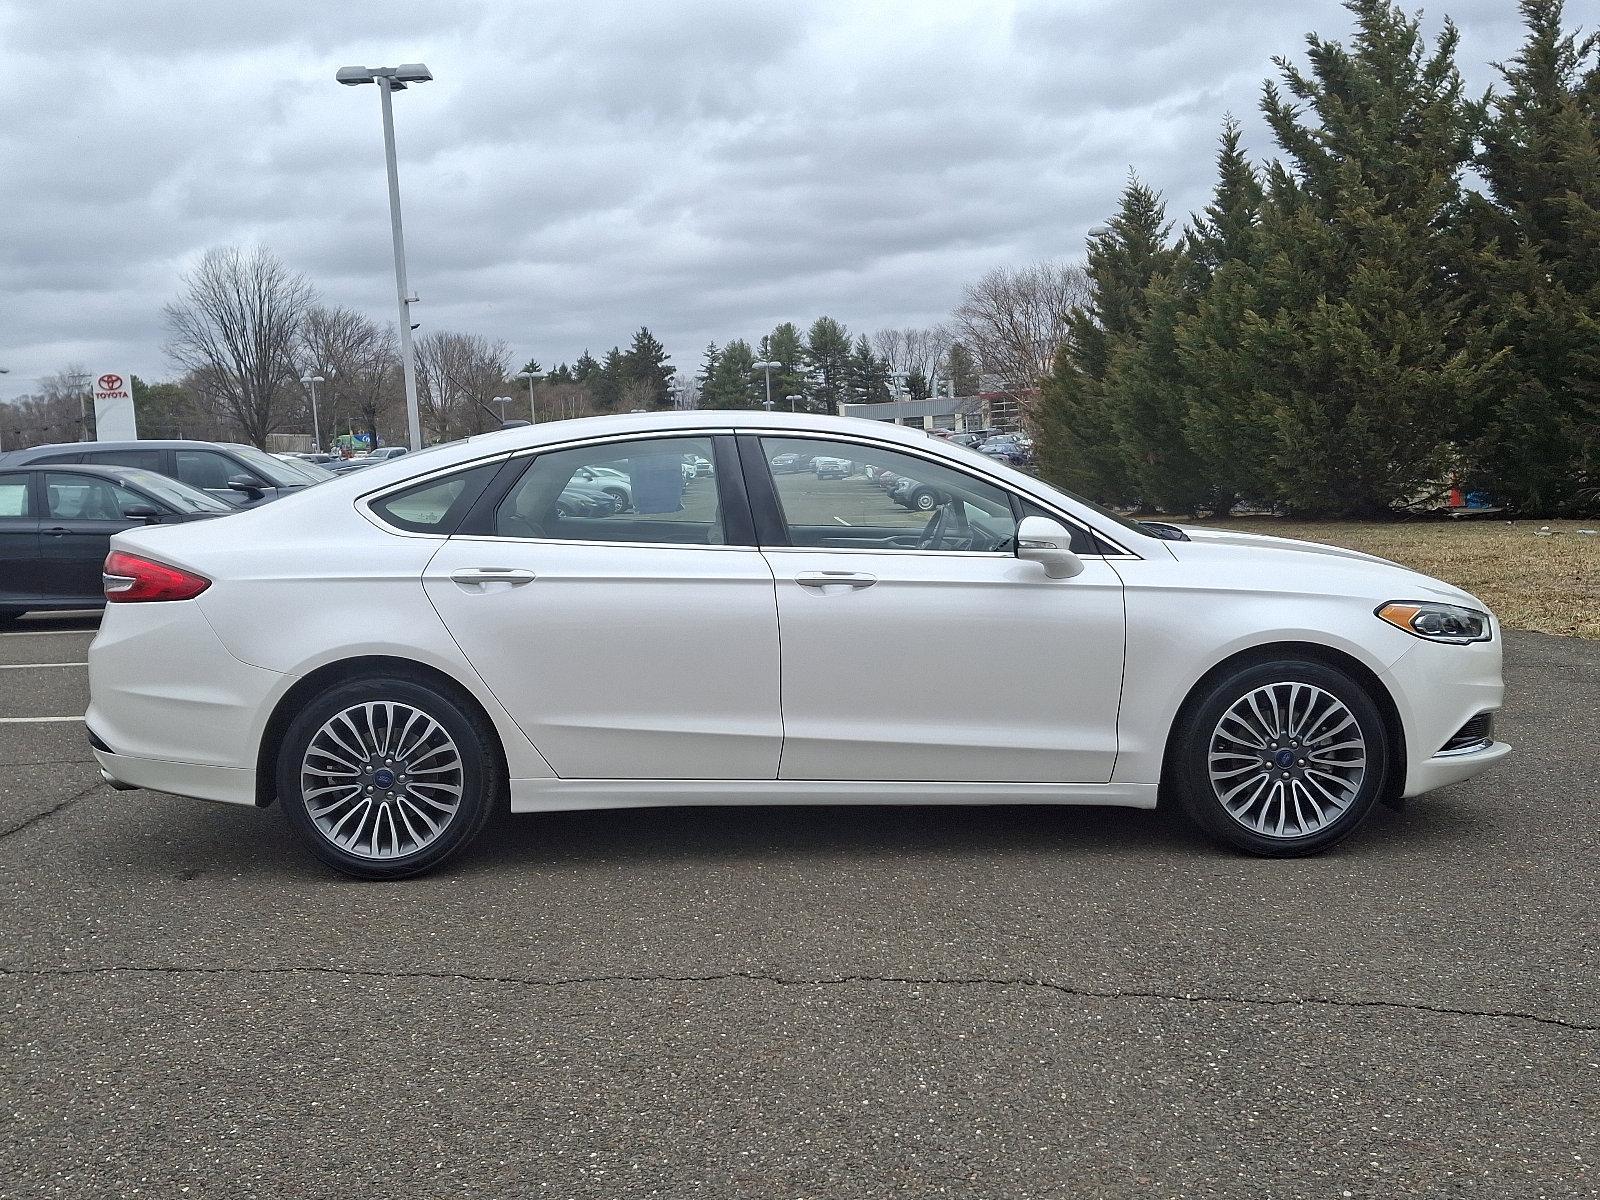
column 145, row 460
column 14, row 496
column 437, row 506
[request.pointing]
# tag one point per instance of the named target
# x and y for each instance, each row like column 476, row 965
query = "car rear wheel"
column 383, row 778
column 1281, row 759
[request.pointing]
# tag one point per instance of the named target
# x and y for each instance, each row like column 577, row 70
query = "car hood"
column 1415, row 585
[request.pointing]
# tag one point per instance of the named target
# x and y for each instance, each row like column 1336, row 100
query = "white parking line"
column 48, row 632
column 34, row 720
column 31, row 666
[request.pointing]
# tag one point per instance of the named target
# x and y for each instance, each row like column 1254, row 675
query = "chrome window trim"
column 916, row 452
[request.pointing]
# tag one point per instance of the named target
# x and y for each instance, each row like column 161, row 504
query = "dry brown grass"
column 1551, row 584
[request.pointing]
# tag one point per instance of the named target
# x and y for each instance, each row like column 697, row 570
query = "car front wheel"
column 387, row 777
column 1282, row 758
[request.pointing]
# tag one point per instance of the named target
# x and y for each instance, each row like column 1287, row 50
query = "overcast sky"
column 581, row 167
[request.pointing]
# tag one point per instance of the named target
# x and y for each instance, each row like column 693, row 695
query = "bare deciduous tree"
column 233, row 330
column 458, row 377
column 914, row 351
column 1013, row 321
column 357, row 360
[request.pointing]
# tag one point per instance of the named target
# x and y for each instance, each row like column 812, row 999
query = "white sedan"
column 393, row 655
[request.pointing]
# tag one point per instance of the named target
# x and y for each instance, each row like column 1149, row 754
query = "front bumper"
column 1437, row 689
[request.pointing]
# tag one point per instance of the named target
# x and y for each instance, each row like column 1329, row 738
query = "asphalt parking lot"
column 1003, row 1002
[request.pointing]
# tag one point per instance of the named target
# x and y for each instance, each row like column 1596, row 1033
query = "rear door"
column 627, row 643
column 81, row 512
column 19, row 539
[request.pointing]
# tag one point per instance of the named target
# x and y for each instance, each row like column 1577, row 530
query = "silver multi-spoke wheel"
column 1287, row 759
column 381, row 780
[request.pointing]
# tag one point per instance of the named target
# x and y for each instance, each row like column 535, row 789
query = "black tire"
column 480, row 774
column 10, row 616
column 924, row 500
column 1189, row 767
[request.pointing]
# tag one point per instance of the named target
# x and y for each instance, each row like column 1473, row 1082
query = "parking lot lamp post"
column 502, row 401
column 3, row 371
column 311, row 381
column 767, row 368
column 533, row 413
column 794, row 401
column 389, row 80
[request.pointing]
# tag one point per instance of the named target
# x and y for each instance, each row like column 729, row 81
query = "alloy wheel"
column 381, row 779
column 1287, row 759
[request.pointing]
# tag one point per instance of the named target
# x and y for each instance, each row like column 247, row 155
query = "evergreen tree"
column 867, row 376
column 1080, row 435
column 785, row 346
column 586, row 369
column 961, row 369
column 916, row 384
column 646, row 363
column 1370, row 356
column 708, row 365
column 828, row 356
column 1228, row 421
column 609, row 381
column 562, row 374
column 730, row 384
column 1534, row 440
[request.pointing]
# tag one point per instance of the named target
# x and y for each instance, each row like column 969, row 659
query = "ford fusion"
column 392, row 656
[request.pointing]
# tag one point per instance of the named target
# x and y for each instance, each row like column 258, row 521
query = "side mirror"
column 143, row 512
column 1048, row 542
column 243, row 483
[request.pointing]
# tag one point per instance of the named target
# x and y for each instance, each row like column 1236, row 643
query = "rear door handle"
column 835, row 580
column 485, row 578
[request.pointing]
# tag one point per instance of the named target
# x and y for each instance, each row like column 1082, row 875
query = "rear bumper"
column 230, row 785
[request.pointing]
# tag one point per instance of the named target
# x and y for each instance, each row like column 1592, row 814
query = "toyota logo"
column 111, row 383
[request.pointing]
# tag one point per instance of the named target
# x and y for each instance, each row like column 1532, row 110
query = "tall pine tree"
column 1372, row 360
column 1534, row 440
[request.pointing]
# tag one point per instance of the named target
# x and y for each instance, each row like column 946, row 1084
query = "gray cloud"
column 706, row 167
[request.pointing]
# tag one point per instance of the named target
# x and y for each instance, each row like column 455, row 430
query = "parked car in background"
column 56, row 523
column 1011, row 449
column 354, row 464
column 383, row 452
column 614, row 483
column 239, row 475
column 831, row 468
column 915, row 495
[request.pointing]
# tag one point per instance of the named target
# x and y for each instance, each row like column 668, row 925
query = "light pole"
column 395, row 79
column 311, row 381
column 794, row 401
column 769, row 368
column 3, row 371
column 502, row 401
column 533, row 413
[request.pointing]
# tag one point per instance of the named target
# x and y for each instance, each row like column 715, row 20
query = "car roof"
column 117, row 473
column 28, row 452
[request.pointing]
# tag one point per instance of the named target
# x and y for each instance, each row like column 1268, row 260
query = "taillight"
column 129, row 579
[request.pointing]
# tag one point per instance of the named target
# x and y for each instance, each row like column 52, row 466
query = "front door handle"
column 484, row 579
column 835, row 581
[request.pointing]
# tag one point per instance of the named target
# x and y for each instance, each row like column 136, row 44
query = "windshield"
column 274, row 470
column 175, row 493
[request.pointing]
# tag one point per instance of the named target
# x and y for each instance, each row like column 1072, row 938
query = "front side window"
column 14, row 496
column 661, row 490
column 843, row 495
column 85, row 498
column 438, row 505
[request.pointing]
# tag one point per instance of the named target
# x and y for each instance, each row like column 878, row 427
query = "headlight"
column 1438, row 622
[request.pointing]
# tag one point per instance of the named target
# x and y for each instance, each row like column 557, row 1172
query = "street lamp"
column 311, row 381
column 502, row 401
column 533, row 413
column 794, row 401
column 3, row 371
column 395, row 79
column 769, row 368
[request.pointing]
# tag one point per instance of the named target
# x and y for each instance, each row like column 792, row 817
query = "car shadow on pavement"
column 202, row 839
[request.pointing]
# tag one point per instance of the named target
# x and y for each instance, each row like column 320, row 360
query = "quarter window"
column 437, row 506
column 847, row 496
column 661, row 490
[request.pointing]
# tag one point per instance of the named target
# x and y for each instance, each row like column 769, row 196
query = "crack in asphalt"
column 818, row 981
column 51, row 811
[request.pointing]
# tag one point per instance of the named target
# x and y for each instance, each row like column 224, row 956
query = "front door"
column 618, row 627
column 81, row 512
column 916, row 646
column 19, row 541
